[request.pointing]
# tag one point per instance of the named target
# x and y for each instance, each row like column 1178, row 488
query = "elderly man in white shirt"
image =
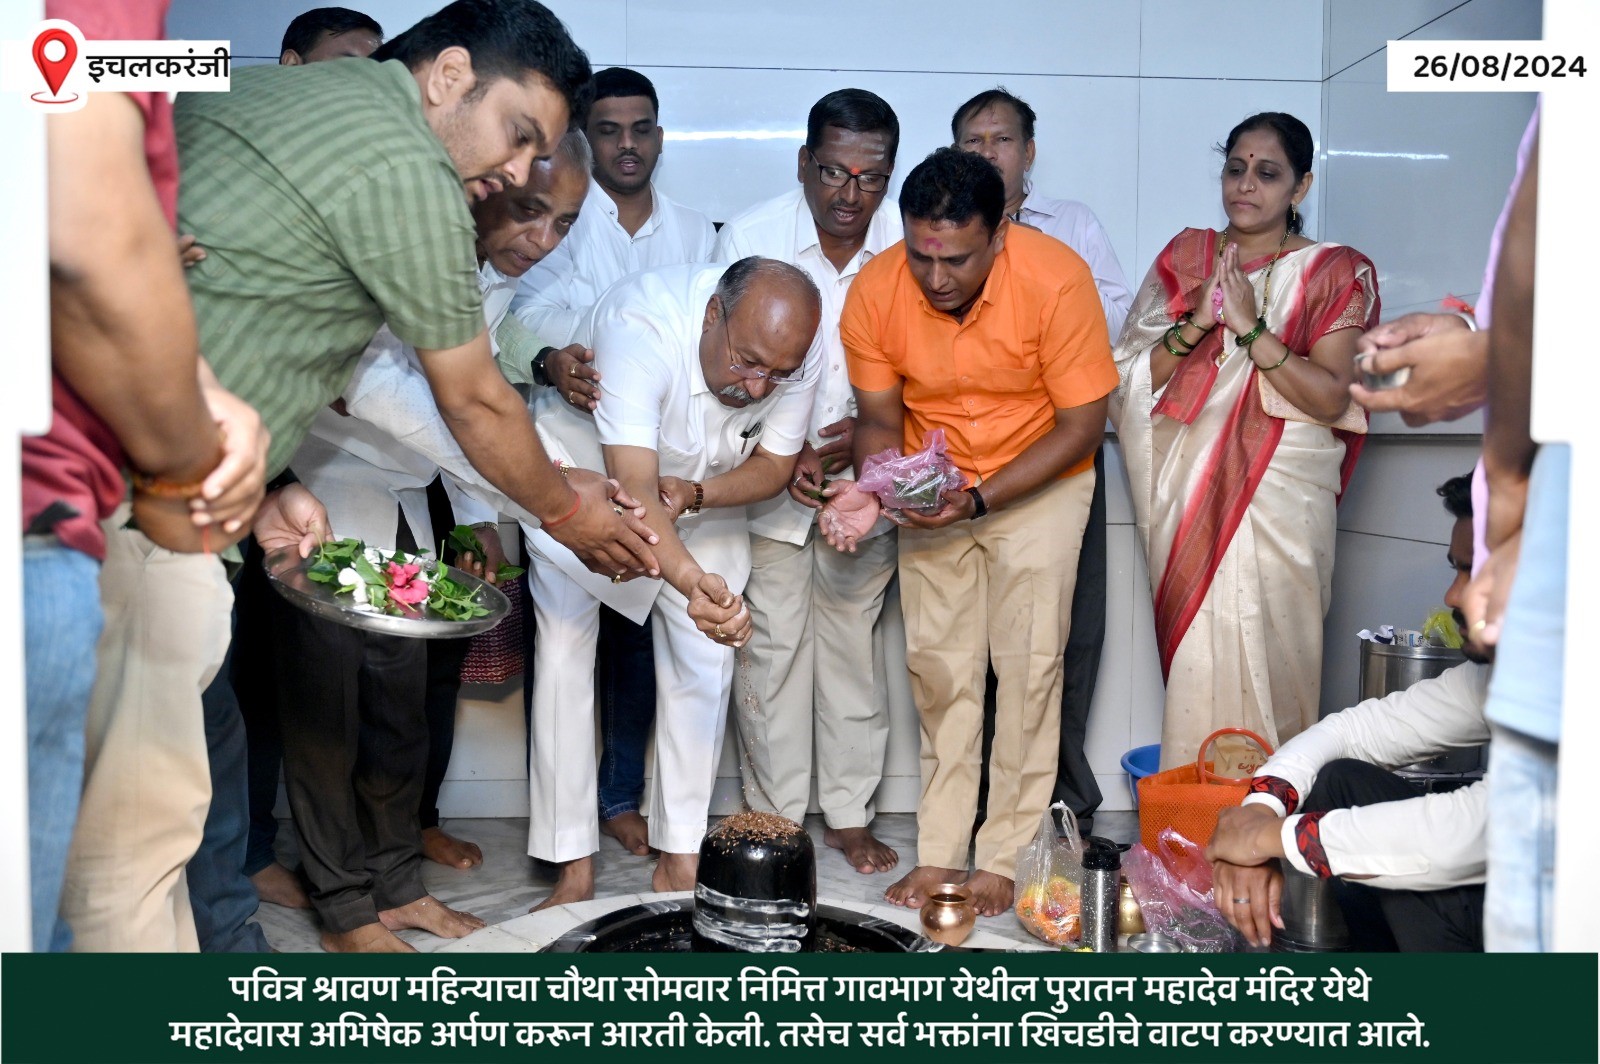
column 999, row 126
column 810, row 667
column 1409, row 866
column 627, row 225
column 709, row 404
column 364, row 475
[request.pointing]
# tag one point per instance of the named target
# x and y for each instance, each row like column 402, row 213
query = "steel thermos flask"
column 1102, row 875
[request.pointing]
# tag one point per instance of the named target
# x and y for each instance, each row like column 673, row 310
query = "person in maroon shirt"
column 129, row 390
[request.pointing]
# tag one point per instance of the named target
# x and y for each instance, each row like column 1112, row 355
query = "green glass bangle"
column 1254, row 334
column 1275, row 365
column 1188, row 319
column 1166, row 342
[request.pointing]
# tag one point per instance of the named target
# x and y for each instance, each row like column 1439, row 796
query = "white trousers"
column 814, row 667
column 693, row 676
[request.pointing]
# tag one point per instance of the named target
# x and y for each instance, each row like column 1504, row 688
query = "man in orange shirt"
column 995, row 334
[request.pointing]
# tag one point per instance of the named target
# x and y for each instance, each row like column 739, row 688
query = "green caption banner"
column 731, row 1007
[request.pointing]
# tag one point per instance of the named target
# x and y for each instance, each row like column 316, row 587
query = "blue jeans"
column 625, row 672
column 62, row 621
column 1521, row 842
column 1524, row 712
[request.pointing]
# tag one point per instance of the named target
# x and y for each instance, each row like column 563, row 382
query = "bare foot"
column 430, row 914
column 369, row 938
column 448, row 850
column 576, row 883
column 629, row 829
column 277, row 884
column 862, row 849
column 912, row 888
column 991, row 894
column 675, row 871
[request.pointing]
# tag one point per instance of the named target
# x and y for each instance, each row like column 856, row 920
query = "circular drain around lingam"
column 667, row 927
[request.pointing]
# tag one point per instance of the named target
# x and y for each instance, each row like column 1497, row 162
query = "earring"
column 1294, row 217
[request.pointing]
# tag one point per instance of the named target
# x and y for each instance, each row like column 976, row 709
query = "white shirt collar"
column 873, row 242
column 613, row 212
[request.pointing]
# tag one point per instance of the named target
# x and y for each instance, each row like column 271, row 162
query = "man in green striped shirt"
column 329, row 201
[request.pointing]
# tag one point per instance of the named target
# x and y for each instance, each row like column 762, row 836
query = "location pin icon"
column 55, row 70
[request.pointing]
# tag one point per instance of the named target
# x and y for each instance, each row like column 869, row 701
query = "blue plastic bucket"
column 1138, row 763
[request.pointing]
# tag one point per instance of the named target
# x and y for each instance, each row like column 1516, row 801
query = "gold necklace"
column 1266, row 289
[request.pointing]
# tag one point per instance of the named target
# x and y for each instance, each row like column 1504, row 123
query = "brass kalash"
column 756, row 892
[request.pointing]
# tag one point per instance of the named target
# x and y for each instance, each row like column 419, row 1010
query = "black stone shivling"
column 756, row 891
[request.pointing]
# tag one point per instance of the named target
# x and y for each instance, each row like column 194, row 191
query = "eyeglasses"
column 753, row 373
column 835, row 177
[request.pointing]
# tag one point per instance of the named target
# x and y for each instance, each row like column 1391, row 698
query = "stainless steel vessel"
column 1386, row 668
column 1312, row 920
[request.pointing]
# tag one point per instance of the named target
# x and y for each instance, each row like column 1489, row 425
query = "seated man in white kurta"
column 706, row 405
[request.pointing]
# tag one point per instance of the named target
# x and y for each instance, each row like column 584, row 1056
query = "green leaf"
column 508, row 572
column 369, row 572
column 463, row 540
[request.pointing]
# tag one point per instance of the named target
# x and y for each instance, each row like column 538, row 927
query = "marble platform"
column 508, row 882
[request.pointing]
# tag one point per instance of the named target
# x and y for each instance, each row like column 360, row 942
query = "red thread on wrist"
column 577, row 501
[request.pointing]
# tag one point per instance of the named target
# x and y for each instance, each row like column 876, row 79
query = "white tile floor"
column 508, row 882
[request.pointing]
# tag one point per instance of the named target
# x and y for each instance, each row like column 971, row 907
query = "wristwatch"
column 979, row 507
column 539, row 376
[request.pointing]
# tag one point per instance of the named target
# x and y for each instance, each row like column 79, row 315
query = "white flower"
column 348, row 577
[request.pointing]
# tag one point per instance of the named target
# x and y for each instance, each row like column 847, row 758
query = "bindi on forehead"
column 933, row 243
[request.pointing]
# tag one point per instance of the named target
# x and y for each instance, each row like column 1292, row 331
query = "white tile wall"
column 1416, row 180
column 1098, row 37
column 1180, row 122
column 1131, row 96
column 1357, row 28
column 1183, row 39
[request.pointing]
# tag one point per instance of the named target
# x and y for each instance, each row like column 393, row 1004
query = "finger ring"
column 572, row 370
column 1241, row 901
column 1478, row 626
column 720, row 634
column 616, row 578
column 572, row 397
column 616, row 509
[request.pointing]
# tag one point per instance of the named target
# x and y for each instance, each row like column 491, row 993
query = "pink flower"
column 404, row 584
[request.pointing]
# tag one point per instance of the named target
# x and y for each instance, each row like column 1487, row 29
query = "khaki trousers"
column 147, row 780
column 997, row 589
column 810, row 669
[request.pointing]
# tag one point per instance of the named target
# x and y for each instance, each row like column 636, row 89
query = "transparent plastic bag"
column 1049, row 876
column 1169, row 902
column 915, row 482
column 1185, row 860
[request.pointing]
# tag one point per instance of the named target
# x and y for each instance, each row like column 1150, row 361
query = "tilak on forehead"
column 933, row 243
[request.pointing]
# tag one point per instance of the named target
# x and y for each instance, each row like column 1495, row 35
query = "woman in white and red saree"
column 1238, row 434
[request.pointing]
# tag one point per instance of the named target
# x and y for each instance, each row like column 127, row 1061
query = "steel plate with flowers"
column 394, row 592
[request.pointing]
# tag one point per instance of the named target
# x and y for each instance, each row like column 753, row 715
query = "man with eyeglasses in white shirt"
column 627, row 225
column 999, row 126
column 810, row 667
column 706, row 406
